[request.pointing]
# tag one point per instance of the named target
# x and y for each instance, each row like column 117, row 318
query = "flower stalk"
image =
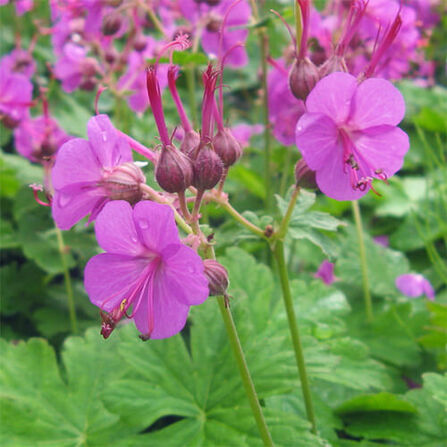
column 67, row 280
column 363, row 262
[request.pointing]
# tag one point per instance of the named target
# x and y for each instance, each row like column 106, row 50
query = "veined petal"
column 75, row 163
column 168, row 315
column 115, row 229
column 155, row 225
column 382, row 147
column 332, row 96
column 109, row 278
column 183, row 276
column 108, row 146
column 72, row 203
column 376, row 102
column 317, row 139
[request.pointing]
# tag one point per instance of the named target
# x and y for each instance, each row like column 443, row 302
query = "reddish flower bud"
column 302, row 77
column 305, row 177
column 140, row 43
column 227, row 147
column 89, row 67
column 208, row 169
column 174, row 171
column 123, row 182
column 88, row 84
column 8, row 122
column 111, row 24
column 190, row 143
column 217, row 276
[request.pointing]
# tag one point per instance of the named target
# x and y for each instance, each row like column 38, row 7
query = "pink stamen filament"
column 209, row 80
column 172, row 75
column 138, row 147
column 305, row 14
column 279, row 67
column 180, row 41
column 222, row 28
column 153, row 90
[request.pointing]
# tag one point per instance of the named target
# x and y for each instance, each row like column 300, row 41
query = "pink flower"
column 348, row 134
column 414, row 285
column 326, row 272
column 146, row 273
column 22, row 6
column 88, row 174
column 243, row 132
column 284, row 108
column 39, row 138
column 19, row 61
column 15, row 97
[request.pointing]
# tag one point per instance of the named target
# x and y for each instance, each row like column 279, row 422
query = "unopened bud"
column 227, row 147
column 333, row 64
column 302, row 77
column 305, row 177
column 214, row 23
column 88, row 84
column 123, row 182
column 190, row 143
column 8, row 121
column 140, row 43
column 208, row 169
column 89, row 67
column 111, row 24
column 174, row 172
column 217, row 276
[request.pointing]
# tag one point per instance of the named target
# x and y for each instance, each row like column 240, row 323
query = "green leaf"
column 249, row 179
column 427, row 428
column 384, row 264
column 184, row 58
column 306, row 224
column 376, row 402
column 8, row 237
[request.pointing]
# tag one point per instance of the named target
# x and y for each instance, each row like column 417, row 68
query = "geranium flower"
column 348, row 134
column 88, row 174
column 146, row 274
column 326, row 272
column 414, row 285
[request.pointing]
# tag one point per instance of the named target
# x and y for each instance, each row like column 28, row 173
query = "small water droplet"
column 104, row 136
column 134, row 239
column 299, row 128
column 143, row 224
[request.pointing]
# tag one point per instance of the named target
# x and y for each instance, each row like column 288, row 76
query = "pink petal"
column 332, row 96
column 334, row 180
column 155, row 225
column 75, row 163
column 115, row 229
column 112, row 277
column 183, row 275
column 109, row 148
column 383, row 148
column 317, row 140
column 376, row 102
column 72, row 203
column 168, row 315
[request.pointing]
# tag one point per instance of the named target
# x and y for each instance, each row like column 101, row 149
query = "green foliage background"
column 64, row 390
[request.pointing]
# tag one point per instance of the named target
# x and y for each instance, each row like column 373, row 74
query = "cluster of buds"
column 203, row 157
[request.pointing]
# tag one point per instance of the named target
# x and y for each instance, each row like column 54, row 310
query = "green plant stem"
column 191, row 84
column 294, row 332
column 362, row 251
column 241, row 219
column 286, row 219
column 67, row 279
column 244, row 372
column 298, row 24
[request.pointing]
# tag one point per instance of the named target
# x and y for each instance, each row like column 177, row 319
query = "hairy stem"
column 67, row 280
column 286, row 219
column 294, row 332
column 363, row 262
column 244, row 372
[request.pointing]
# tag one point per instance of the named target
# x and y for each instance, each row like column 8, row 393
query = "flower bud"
column 111, row 24
column 88, row 84
column 217, row 277
column 123, row 182
column 227, row 147
column 208, row 169
column 174, row 171
column 302, row 77
column 190, row 143
column 214, row 23
column 8, row 121
column 305, row 177
column 89, row 67
column 140, row 43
